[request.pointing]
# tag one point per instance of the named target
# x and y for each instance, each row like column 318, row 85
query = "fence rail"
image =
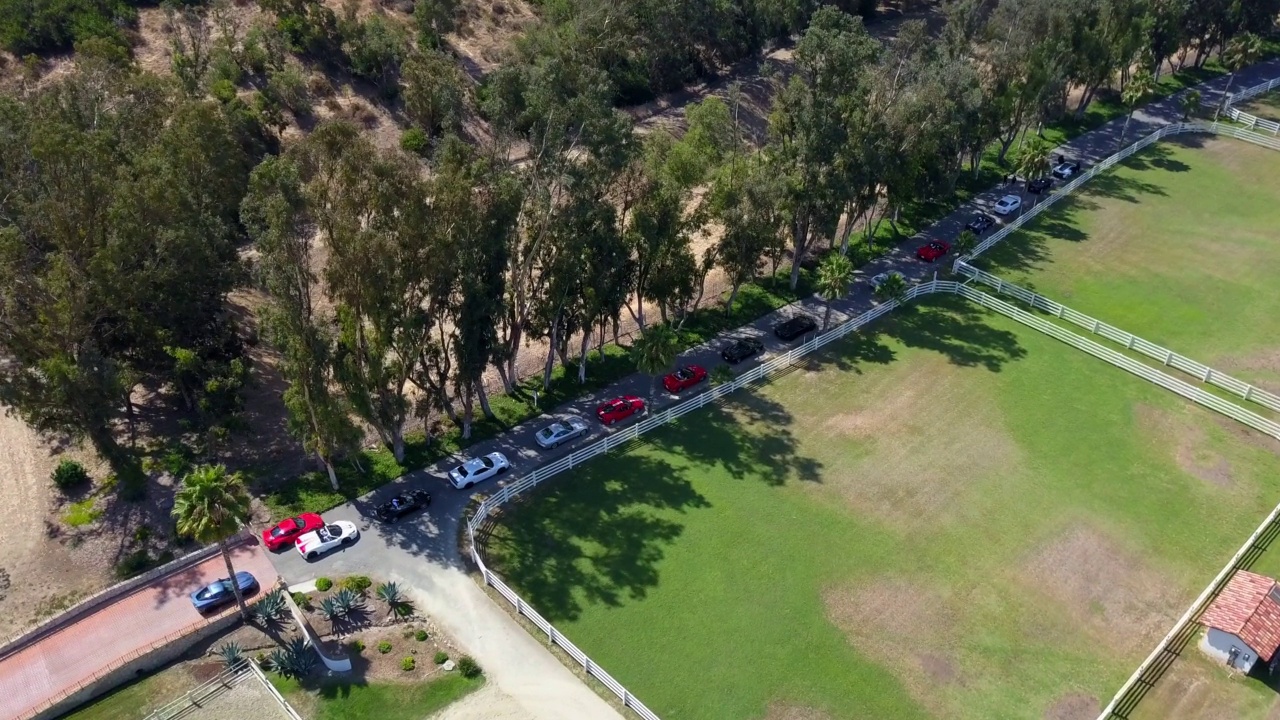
column 1253, row 121
column 227, row 679
column 1204, row 373
column 1254, row 91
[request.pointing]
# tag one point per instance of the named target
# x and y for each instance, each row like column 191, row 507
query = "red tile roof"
column 1248, row 607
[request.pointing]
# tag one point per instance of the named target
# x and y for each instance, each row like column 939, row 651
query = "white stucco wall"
column 1219, row 644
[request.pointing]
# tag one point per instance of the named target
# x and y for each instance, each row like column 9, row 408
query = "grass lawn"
column 1177, row 245
column 138, row 699
column 1266, row 106
column 954, row 516
column 376, row 701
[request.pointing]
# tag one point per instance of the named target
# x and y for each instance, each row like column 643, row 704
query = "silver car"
column 478, row 470
column 561, row 432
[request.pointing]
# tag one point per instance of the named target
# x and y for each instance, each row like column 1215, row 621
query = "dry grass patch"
column 1074, row 706
column 911, row 487
column 1189, row 444
column 1103, row 587
column 787, row 711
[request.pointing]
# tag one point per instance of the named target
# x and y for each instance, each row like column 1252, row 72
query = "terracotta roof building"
column 1243, row 621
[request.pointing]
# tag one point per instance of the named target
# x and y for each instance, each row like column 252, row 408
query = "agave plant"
column 271, row 608
column 348, row 601
column 390, row 594
column 330, row 609
column 295, row 660
column 231, row 653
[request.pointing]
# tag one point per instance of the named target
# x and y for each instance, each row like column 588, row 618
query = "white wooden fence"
column 1253, row 121
column 1204, row 373
column 1254, row 91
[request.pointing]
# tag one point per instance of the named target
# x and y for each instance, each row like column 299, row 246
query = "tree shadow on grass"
column 958, row 330
column 591, row 539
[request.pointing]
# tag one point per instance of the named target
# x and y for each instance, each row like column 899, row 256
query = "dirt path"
column 487, row 703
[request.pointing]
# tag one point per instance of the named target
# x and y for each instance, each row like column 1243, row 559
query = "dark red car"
column 290, row 529
column 619, row 408
column 685, row 377
column 933, row 250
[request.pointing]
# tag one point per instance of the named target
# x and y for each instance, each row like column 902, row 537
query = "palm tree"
column 1135, row 92
column 1190, row 103
column 893, row 287
column 212, row 506
column 965, row 241
column 1243, row 51
column 1033, row 158
column 655, row 351
column 833, row 280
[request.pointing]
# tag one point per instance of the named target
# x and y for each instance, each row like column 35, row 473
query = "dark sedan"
column 402, row 504
column 741, row 349
column 980, row 223
column 1039, row 185
column 220, row 591
column 795, row 327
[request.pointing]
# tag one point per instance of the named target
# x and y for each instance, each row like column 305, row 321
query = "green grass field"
column 954, row 516
column 336, row 700
column 1178, row 245
column 1264, row 106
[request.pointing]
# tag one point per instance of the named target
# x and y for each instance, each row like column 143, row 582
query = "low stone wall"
column 141, row 665
column 332, row 655
column 96, row 601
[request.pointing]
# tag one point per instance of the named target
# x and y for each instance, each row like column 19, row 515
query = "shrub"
column 468, row 667
column 230, row 653
column 390, row 593
column 323, row 584
column 384, row 647
column 223, row 91
column 356, row 583
column 272, row 607
column 302, row 600
column 356, row 646
column 408, row 664
column 414, row 140
column 140, row 561
column 263, row 661
column 295, row 660
column 347, row 601
column 441, row 657
column 70, row 475
column 420, row 636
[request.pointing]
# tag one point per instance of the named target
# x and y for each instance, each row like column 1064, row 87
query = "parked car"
column 619, row 408
column 795, row 327
column 1007, row 204
column 980, row 223
column 286, row 531
column 684, row 378
column 1039, row 185
column 220, row 591
column 932, row 250
column 402, row 504
column 328, row 537
column 741, row 349
column 1066, row 170
column 561, row 432
column 478, row 470
column 878, row 280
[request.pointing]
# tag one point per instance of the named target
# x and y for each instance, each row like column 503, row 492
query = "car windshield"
column 213, row 590
column 684, row 374
column 486, row 462
column 552, row 430
column 277, row 531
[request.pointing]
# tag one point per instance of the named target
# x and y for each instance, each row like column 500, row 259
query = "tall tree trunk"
column 733, row 294
column 235, row 586
column 483, row 395
column 582, row 355
column 550, row 363
column 328, row 468
column 397, row 443
column 467, row 414
column 826, row 319
column 507, row 385
column 513, row 348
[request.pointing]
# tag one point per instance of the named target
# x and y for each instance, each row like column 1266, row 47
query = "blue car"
column 219, row 591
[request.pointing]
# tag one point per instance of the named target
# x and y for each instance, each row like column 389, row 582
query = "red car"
column 619, row 408
column 685, row 377
column 933, row 250
column 290, row 529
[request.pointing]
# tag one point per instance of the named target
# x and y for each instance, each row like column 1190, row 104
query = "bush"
column 140, row 561
column 223, row 91
column 356, row 583
column 384, row 647
column 442, row 657
column 420, row 636
column 356, row 646
column 414, row 140
column 468, row 667
column 231, row 653
column 323, row 584
column 302, row 600
column 70, row 475
column 408, row 664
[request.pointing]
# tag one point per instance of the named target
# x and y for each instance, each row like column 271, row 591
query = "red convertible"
column 290, row 529
column 933, row 250
column 684, row 378
column 619, row 408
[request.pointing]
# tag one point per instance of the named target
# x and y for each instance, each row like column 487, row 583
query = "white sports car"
column 326, row 538
column 478, row 470
column 559, row 432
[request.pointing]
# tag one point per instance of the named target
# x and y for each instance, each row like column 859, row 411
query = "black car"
column 402, row 504
column 1066, row 170
column 795, row 327
column 741, row 349
column 980, row 223
column 1039, row 185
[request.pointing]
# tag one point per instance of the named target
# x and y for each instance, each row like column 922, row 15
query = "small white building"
column 1243, row 622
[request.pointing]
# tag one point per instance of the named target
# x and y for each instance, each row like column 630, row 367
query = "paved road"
column 55, row 665
column 423, row 552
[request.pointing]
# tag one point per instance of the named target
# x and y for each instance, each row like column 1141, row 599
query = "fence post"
column 1129, row 345
column 519, row 606
column 1168, row 355
column 1248, row 391
column 1095, row 325
column 1208, row 373
column 586, row 663
column 551, row 633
